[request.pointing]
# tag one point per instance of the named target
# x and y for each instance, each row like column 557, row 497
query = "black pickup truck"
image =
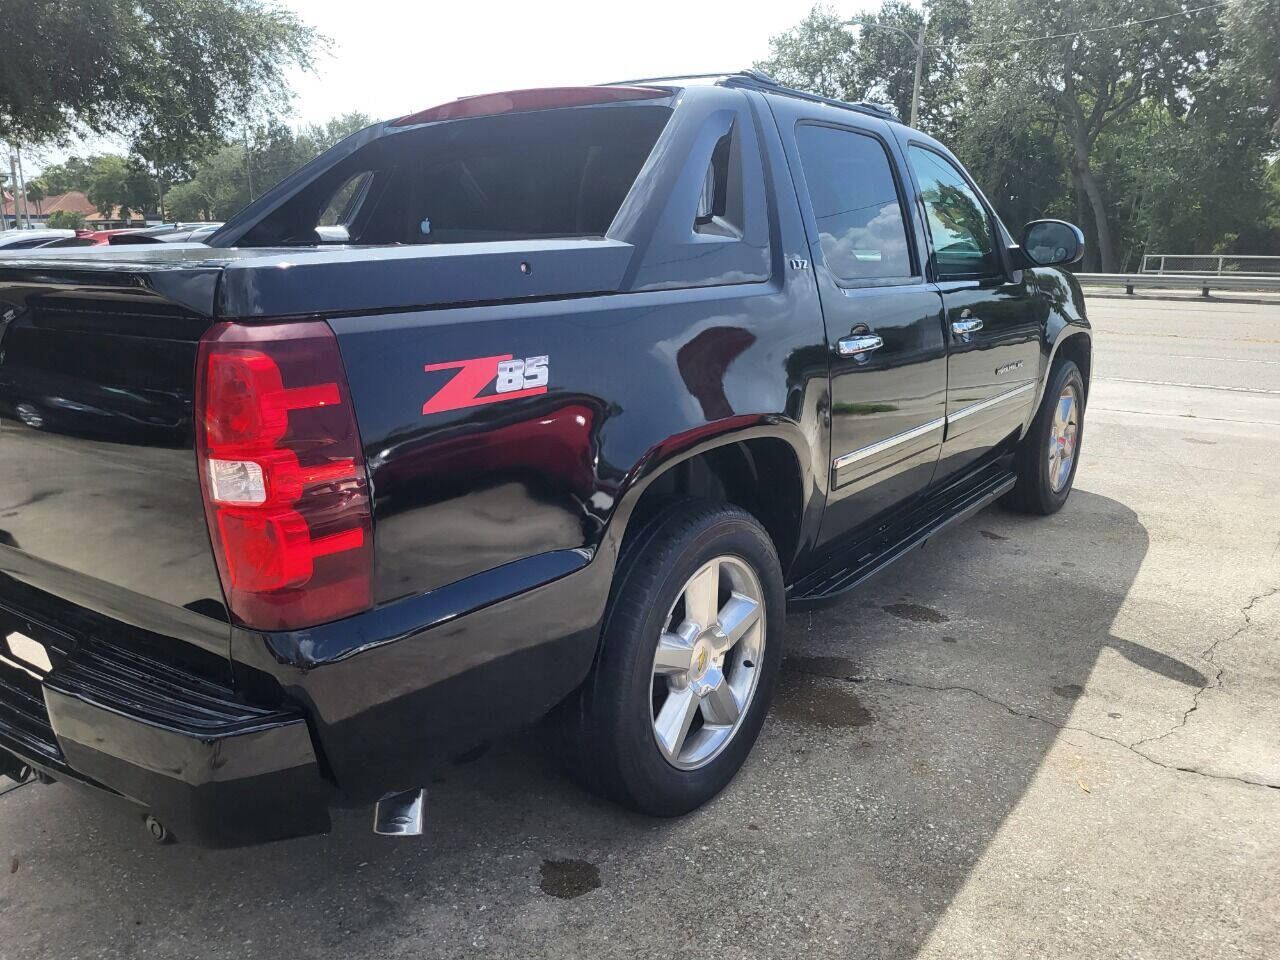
column 542, row 402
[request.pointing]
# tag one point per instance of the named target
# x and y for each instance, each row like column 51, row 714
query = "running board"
column 869, row 554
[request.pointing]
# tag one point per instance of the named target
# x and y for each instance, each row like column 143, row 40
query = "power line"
column 1080, row 33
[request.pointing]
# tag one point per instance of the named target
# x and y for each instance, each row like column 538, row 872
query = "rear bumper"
column 366, row 706
column 217, row 771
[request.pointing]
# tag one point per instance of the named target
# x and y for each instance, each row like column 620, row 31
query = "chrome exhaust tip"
column 399, row 814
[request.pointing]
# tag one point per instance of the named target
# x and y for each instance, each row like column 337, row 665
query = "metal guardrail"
column 1205, row 282
column 1203, row 264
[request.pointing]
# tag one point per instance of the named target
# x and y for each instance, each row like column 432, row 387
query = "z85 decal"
column 515, row 378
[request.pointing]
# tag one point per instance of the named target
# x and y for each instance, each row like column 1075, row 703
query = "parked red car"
column 91, row 238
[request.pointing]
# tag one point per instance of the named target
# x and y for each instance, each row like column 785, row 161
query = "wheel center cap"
column 701, row 659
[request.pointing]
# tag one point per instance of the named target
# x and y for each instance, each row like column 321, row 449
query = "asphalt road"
column 1034, row 738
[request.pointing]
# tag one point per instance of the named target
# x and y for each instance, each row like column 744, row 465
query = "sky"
column 398, row 57
column 392, row 57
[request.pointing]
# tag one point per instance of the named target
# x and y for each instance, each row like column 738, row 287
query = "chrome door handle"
column 966, row 326
column 862, row 343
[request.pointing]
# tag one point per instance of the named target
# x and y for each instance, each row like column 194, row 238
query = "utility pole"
column 16, row 187
column 248, row 162
column 915, row 87
column 22, row 189
column 13, row 185
column 916, row 42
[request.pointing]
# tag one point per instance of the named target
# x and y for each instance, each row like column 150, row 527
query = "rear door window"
column 856, row 204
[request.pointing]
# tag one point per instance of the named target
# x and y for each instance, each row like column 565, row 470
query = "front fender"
column 1066, row 319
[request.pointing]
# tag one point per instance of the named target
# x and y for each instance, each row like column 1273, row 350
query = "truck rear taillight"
column 283, row 475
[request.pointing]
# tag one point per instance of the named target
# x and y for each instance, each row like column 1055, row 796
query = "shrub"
column 65, row 220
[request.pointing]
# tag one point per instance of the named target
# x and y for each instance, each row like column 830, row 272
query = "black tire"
column 1034, row 492
column 609, row 744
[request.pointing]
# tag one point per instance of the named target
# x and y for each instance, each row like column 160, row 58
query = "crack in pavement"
column 1208, row 656
column 1027, row 715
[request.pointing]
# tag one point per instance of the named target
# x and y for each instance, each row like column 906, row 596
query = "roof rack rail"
column 679, row 76
column 759, row 80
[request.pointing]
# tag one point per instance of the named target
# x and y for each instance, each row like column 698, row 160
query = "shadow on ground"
column 910, row 720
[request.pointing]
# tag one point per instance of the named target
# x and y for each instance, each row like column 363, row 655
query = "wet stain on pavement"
column 1069, row 691
column 949, row 640
column 837, row 668
column 915, row 612
column 991, row 535
column 566, row 879
column 818, row 699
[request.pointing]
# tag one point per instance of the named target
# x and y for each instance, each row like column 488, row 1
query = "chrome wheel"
column 30, row 415
column 1062, row 438
column 708, row 662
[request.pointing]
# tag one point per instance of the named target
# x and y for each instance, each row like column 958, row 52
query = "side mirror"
column 1050, row 243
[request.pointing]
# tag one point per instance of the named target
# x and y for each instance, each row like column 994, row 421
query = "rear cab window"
column 857, row 206
column 542, row 174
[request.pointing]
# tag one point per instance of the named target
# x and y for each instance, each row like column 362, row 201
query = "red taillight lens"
column 283, row 475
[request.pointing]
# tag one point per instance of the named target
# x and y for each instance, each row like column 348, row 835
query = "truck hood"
column 232, row 282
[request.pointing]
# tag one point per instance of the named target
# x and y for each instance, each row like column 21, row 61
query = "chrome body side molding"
column 862, row 453
column 888, row 443
column 991, row 401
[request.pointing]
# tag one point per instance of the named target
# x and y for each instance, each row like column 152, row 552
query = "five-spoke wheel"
column 691, row 647
column 1062, row 438
column 1047, row 457
column 707, row 662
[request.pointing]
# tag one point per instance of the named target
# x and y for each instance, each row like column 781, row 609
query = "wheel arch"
column 1076, row 345
column 761, row 469
column 1073, row 342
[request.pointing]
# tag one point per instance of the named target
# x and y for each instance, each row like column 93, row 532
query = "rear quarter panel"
column 634, row 380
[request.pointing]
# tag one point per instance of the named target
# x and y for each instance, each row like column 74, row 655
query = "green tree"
column 229, row 177
column 165, row 74
column 186, row 202
column 875, row 60
column 819, row 55
column 115, row 181
column 1148, row 122
column 66, row 220
column 36, row 192
column 1091, row 62
column 1252, row 32
column 71, row 174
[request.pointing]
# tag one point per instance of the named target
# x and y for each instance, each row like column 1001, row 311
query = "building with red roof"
column 75, row 201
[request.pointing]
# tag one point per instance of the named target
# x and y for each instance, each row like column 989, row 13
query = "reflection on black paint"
column 703, row 362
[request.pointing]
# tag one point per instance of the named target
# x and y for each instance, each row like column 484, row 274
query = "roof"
column 73, row 200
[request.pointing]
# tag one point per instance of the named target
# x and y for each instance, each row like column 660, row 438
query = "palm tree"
column 36, row 192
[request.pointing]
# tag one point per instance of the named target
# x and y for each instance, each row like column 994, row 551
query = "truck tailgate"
column 100, row 502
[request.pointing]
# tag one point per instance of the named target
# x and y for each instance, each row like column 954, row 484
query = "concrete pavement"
column 1033, row 738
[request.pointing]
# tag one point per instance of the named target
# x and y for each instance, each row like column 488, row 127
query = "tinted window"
column 855, row 203
column 548, row 173
column 26, row 244
column 342, row 205
column 963, row 245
